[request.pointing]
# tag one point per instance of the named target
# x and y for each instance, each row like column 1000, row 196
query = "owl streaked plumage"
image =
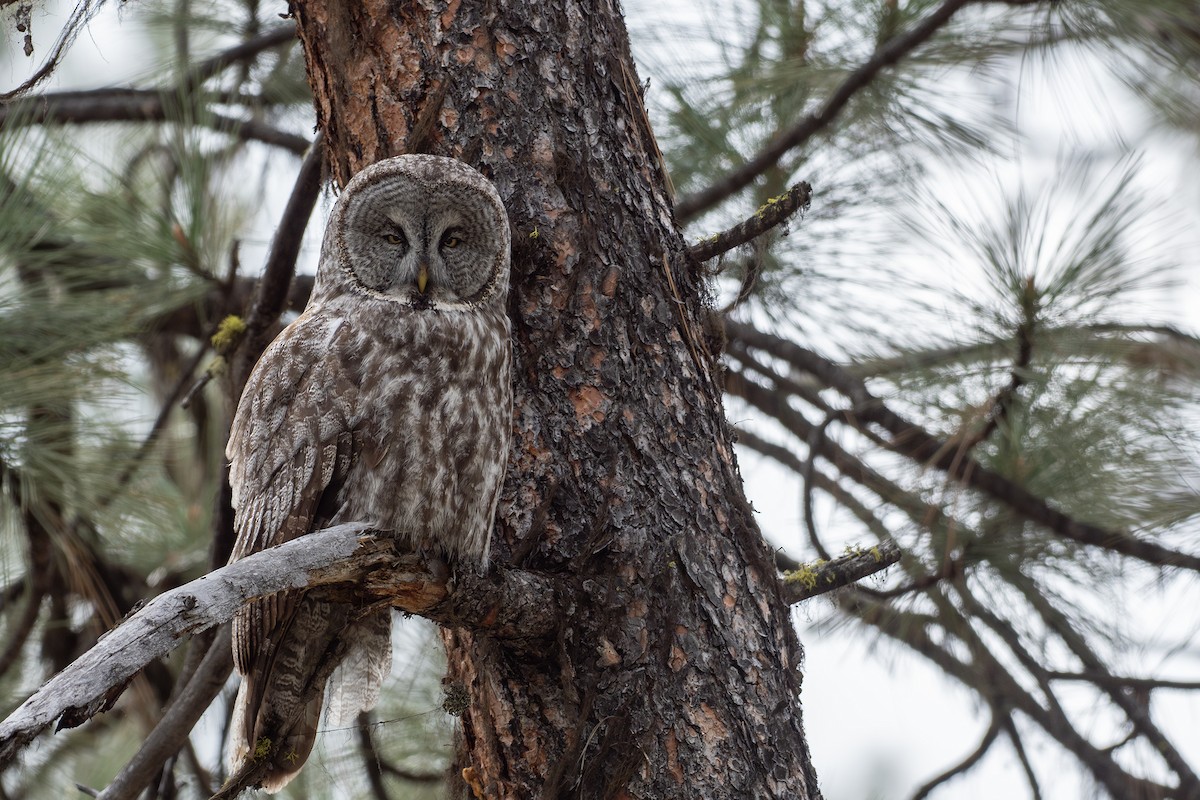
column 388, row 401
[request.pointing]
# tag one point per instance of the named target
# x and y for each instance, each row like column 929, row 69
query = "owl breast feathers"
column 388, row 401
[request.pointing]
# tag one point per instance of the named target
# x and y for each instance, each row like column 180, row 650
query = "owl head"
column 427, row 232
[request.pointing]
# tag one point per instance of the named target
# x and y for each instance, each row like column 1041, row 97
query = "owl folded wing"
column 290, row 448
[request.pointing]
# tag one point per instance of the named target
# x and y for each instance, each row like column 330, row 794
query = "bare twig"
column 825, row 576
column 1122, row 681
column 410, row 776
column 752, row 268
column 820, row 481
column 370, row 755
column 775, row 405
column 1001, row 405
column 1011, row 638
column 240, row 53
column 1136, row 710
column 160, row 422
column 986, row 675
column 377, row 766
column 774, row 212
column 809, row 392
column 1035, row 788
column 155, row 105
column 815, row 440
column 19, row 632
column 989, row 738
column 888, row 54
column 79, row 18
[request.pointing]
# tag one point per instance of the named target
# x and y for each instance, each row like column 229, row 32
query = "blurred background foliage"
column 999, row 246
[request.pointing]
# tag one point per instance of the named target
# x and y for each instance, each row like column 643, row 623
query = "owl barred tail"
column 292, row 752
column 352, row 688
column 354, row 685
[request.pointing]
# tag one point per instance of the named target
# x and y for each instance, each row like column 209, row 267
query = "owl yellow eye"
column 393, row 238
column 451, row 241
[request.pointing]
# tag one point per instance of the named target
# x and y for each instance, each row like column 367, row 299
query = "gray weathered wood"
column 367, row 565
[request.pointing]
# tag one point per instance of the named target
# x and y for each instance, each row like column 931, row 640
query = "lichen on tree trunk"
column 677, row 674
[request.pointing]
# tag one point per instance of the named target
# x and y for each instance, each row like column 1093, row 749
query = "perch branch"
column 353, row 562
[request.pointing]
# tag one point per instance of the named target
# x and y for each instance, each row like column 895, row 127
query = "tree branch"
column 172, row 731
column 135, row 105
column 824, row 576
column 1015, row 737
column 1001, row 405
column 18, row 632
column 160, row 422
column 913, row 441
column 774, row 212
column 154, row 105
column 357, row 563
column 1122, row 681
column 1172, row 346
column 775, row 405
column 888, row 54
column 986, row 675
column 989, row 738
column 1137, row 710
column 241, row 52
column 370, row 756
column 843, row 497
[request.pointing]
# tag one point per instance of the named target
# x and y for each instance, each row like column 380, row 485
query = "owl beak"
column 422, row 279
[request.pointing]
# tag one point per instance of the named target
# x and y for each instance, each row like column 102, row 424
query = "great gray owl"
column 388, row 401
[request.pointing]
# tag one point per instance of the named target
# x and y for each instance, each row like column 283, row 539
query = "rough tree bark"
column 677, row 674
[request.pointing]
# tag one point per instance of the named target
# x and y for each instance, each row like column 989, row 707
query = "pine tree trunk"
column 678, row 676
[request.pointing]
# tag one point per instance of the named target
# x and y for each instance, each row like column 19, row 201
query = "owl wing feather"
column 291, row 439
column 290, row 448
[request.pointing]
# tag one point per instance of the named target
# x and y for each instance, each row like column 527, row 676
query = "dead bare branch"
column 172, row 731
column 354, row 562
